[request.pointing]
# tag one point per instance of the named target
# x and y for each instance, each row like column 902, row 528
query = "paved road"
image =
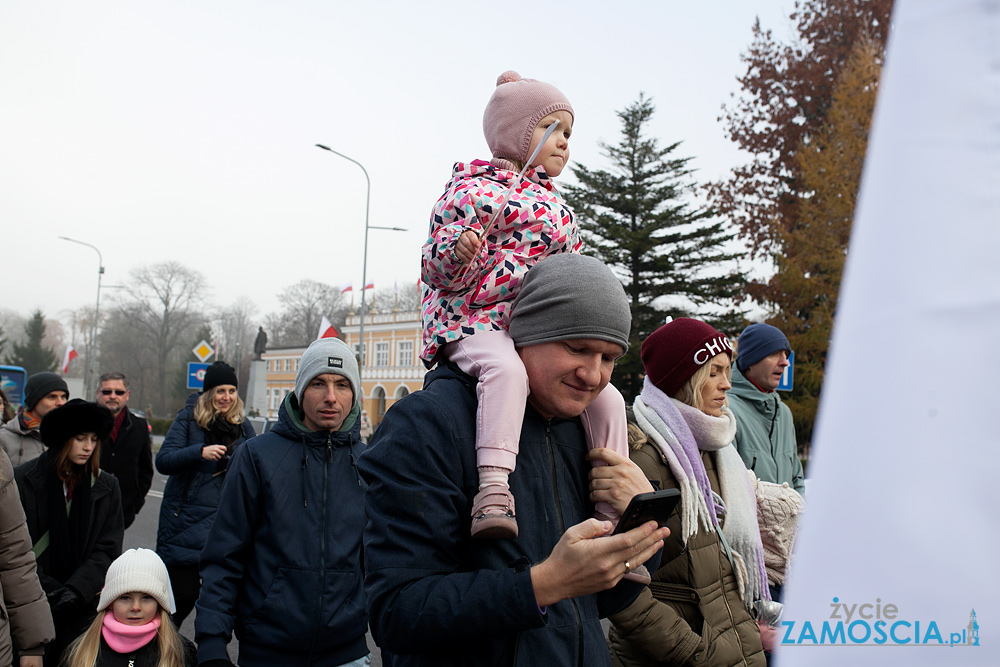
column 142, row 533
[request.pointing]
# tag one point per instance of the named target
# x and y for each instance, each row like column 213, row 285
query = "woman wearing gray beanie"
column 196, row 453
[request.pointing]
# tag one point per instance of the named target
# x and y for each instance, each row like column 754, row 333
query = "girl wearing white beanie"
column 134, row 610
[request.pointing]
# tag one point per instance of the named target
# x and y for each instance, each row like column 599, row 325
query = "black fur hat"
column 73, row 418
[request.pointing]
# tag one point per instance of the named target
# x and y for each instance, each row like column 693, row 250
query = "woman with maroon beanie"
column 697, row 608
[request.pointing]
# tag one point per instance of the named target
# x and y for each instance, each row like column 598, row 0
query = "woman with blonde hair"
column 196, row 454
column 74, row 515
column 697, row 609
column 134, row 610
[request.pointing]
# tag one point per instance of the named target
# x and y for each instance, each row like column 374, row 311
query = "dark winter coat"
column 130, row 459
column 103, row 543
column 145, row 656
column 282, row 565
column 692, row 613
column 191, row 495
column 104, row 537
column 435, row 595
column 27, row 623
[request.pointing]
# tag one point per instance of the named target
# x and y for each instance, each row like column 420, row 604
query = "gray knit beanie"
column 328, row 355
column 137, row 571
column 566, row 297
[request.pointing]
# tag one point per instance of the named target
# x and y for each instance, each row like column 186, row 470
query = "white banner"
column 901, row 537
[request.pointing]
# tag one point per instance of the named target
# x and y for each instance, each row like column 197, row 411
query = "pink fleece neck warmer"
column 127, row 638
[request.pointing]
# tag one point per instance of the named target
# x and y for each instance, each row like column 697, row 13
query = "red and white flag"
column 370, row 285
column 70, row 356
column 326, row 329
column 346, row 287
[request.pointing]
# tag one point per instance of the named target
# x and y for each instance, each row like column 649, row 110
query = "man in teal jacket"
column 765, row 434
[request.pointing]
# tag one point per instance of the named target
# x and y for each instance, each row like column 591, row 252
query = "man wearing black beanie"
column 20, row 438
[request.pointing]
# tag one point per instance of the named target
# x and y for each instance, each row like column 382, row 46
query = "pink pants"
column 490, row 357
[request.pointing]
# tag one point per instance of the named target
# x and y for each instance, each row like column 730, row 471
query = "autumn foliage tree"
column 803, row 114
column 806, row 284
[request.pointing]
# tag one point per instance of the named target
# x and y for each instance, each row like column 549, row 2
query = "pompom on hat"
column 513, row 112
column 672, row 354
column 73, row 418
column 138, row 571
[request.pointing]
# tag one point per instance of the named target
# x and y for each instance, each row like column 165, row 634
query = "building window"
column 381, row 354
column 288, row 365
column 275, row 398
column 362, row 358
column 404, row 355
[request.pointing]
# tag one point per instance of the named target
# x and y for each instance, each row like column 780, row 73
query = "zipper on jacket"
column 725, row 598
column 562, row 529
column 322, row 540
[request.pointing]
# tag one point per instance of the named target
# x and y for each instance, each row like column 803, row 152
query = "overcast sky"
column 185, row 130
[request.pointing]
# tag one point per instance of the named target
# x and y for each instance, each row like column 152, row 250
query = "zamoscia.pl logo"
column 875, row 624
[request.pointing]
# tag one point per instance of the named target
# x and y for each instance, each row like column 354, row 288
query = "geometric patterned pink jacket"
column 536, row 223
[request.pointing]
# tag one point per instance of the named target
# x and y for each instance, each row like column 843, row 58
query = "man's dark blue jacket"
column 282, row 565
column 435, row 595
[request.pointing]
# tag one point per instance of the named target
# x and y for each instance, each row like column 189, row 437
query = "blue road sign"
column 786, row 378
column 196, row 375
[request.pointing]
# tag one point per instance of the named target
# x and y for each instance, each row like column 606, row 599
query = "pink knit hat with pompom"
column 513, row 111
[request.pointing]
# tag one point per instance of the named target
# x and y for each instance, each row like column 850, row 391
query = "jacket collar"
column 748, row 391
column 290, row 425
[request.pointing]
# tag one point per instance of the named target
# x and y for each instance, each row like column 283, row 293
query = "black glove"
column 64, row 599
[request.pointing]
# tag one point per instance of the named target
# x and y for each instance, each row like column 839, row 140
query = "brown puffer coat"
column 691, row 613
column 27, row 621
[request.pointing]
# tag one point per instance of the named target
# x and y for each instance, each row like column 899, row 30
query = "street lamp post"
column 97, row 313
column 364, row 260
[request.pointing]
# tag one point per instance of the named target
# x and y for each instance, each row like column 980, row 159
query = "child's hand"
column 467, row 247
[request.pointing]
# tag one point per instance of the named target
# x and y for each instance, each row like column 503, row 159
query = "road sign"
column 196, row 375
column 786, row 377
column 203, row 350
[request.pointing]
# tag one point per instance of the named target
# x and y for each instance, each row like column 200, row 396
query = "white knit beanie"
column 138, row 571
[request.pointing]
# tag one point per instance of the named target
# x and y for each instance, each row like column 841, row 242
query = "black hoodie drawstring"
column 305, row 459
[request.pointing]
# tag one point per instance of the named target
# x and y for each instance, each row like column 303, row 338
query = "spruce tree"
column 33, row 356
column 640, row 219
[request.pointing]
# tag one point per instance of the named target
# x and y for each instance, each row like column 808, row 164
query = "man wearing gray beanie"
column 765, row 432
column 435, row 594
column 20, row 437
column 282, row 566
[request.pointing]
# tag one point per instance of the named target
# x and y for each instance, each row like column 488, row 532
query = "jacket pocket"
column 286, row 614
